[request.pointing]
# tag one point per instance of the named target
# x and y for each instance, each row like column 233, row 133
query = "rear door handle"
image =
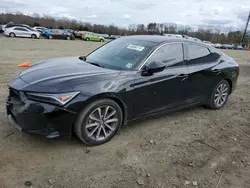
column 216, row 71
column 183, row 77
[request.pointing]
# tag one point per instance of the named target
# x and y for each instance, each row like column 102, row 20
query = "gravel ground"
column 192, row 148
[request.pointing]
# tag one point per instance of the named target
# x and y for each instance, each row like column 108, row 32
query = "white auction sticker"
column 135, row 47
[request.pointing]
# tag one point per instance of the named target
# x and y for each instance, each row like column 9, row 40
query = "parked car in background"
column 173, row 35
column 227, row 46
column 78, row 34
column 21, row 32
column 92, row 37
column 69, row 31
column 17, row 25
column 127, row 79
column 217, row 45
column 208, row 42
column 60, row 34
column 40, row 29
column 239, row 47
column 112, row 37
column 46, row 32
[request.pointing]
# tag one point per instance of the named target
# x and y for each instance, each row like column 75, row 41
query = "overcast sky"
column 228, row 13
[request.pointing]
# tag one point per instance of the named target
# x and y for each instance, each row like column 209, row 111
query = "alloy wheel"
column 101, row 123
column 221, row 95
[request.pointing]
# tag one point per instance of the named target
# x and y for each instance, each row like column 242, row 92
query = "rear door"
column 202, row 74
column 20, row 32
column 17, row 31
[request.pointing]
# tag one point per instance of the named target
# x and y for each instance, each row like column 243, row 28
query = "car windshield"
column 121, row 54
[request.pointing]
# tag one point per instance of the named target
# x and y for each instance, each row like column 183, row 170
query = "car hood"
column 62, row 74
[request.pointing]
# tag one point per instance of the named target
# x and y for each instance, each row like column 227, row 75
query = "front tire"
column 219, row 95
column 68, row 37
column 50, row 37
column 33, row 36
column 98, row 122
column 87, row 39
column 12, row 35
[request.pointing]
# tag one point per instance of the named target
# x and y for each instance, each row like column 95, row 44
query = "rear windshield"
column 122, row 54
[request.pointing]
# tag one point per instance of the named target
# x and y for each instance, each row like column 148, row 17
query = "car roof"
column 162, row 39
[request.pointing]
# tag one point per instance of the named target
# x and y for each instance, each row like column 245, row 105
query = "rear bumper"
column 39, row 118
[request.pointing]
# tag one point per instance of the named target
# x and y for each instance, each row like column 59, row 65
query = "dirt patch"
column 190, row 148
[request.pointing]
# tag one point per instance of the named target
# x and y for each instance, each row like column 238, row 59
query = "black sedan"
column 126, row 79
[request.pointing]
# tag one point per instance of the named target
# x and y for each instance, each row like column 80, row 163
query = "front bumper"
column 38, row 118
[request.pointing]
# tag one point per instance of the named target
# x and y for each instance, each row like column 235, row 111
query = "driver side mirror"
column 153, row 67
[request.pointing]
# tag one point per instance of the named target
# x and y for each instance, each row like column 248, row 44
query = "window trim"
column 164, row 44
column 192, row 43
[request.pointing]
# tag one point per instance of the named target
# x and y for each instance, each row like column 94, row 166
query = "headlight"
column 59, row 99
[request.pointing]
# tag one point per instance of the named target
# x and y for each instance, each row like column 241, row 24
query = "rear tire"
column 68, row 38
column 93, row 125
column 101, row 40
column 219, row 95
column 12, row 35
column 50, row 37
column 87, row 39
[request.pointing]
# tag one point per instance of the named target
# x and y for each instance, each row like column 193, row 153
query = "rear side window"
column 170, row 54
column 20, row 29
column 200, row 55
column 195, row 51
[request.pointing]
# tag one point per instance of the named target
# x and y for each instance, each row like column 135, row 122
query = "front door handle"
column 183, row 77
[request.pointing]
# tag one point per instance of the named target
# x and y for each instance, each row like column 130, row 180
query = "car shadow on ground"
column 76, row 143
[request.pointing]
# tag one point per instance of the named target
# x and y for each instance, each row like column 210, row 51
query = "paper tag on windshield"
column 135, row 47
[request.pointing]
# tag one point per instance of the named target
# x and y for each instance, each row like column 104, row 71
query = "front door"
column 163, row 90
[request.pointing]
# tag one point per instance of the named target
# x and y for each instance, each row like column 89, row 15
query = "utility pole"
column 245, row 31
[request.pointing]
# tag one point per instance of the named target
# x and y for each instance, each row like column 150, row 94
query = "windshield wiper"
column 83, row 58
column 96, row 64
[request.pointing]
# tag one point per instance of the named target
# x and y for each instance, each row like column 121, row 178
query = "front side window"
column 122, row 54
column 170, row 54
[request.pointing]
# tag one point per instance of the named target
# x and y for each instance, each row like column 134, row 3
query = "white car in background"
column 217, row 45
column 173, row 35
column 39, row 28
column 21, row 32
column 208, row 42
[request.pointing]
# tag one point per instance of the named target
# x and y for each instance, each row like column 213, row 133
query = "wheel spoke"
column 98, row 133
column 91, row 125
column 93, row 131
column 224, row 90
column 111, row 120
column 111, row 128
column 106, row 112
column 105, row 133
column 217, row 100
column 216, row 95
column 220, row 101
column 111, row 114
column 99, row 113
column 93, row 118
